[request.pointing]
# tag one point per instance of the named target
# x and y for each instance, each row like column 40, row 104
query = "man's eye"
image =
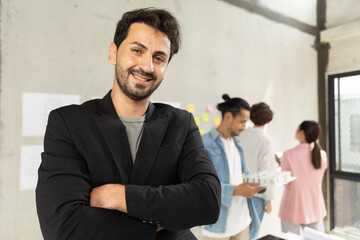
column 159, row 59
column 136, row 51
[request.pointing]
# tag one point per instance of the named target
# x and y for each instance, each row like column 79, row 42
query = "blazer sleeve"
column 63, row 195
column 194, row 201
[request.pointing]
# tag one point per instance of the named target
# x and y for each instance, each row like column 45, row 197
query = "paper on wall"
column 29, row 164
column 205, row 117
column 210, row 108
column 191, row 108
column 217, row 121
column 36, row 109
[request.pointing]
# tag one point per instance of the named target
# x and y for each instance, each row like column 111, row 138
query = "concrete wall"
column 344, row 52
column 339, row 12
column 61, row 47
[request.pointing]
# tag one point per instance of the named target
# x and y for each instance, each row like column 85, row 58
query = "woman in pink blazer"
column 303, row 202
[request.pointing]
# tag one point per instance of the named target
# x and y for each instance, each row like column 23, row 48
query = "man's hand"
column 268, row 207
column 109, row 196
column 247, row 189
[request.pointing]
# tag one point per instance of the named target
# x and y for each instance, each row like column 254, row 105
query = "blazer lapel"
column 115, row 137
column 154, row 130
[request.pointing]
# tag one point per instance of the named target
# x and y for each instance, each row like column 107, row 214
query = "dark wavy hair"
column 261, row 114
column 159, row 19
column 233, row 105
column 311, row 131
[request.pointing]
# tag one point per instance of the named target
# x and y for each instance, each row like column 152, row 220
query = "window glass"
column 355, row 133
column 344, row 153
column 347, row 123
column 347, row 207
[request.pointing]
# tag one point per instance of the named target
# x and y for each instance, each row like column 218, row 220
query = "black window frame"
column 335, row 174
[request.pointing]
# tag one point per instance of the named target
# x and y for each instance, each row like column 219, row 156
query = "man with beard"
column 237, row 209
column 123, row 167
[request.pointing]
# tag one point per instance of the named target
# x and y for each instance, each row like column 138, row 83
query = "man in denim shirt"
column 227, row 156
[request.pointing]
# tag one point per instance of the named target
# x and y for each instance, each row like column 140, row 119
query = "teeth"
column 142, row 79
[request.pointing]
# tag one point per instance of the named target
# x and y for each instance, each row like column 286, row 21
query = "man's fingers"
column 253, row 184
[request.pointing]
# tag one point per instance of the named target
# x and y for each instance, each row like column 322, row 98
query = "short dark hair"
column 159, row 19
column 233, row 105
column 260, row 114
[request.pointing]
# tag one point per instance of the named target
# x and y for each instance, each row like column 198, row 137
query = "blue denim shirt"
column 215, row 147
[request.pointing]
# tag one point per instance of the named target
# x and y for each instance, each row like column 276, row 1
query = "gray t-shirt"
column 134, row 129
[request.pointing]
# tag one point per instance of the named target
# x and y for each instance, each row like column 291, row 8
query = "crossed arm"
column 110, row 196
column 69, row 208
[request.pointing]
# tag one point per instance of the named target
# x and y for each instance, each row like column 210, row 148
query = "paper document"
column 29, row 165
column 36, row 109
column 312, row 234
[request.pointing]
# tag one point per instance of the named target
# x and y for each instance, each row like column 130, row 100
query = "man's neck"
column 224, row 131
column 127, row 107
column 261, row 127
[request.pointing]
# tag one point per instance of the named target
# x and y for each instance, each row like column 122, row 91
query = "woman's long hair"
column 311, row 131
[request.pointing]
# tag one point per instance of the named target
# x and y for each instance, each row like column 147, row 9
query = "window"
column 344, row 153
column 355, row 130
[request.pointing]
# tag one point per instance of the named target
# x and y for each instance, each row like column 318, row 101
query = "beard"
column 138, row 92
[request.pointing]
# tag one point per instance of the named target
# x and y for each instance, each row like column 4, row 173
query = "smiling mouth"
column 141, row 78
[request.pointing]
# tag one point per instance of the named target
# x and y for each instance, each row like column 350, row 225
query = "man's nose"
column 147, row 64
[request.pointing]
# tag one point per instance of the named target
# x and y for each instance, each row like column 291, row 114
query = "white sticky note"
column 29, row 165
column 36, row 109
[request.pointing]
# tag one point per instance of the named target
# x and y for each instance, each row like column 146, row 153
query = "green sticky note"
column 205, row 117
column 197, row 120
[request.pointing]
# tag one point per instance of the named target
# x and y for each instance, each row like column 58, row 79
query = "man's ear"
column 228, row 116
column 112, row 53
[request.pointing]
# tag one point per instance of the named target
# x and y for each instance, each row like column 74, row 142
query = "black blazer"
column 172, row 182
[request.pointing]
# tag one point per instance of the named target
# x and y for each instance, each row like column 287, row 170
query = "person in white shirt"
column 237, row 208
column 259, row 155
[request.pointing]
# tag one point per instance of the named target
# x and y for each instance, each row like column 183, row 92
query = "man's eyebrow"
column 140, row 45
column 161, row 53
column 144, row 47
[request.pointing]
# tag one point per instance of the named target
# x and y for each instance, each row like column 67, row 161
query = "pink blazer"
column 303, row 201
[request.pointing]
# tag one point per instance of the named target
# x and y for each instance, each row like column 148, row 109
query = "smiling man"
column 122, row 167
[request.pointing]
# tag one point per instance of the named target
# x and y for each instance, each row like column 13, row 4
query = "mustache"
column 142, row 72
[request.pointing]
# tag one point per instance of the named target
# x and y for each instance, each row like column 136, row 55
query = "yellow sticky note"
column 201, row 131
column 217, row 121
column 197, row 121
column 205, row 117
column 191, row 108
